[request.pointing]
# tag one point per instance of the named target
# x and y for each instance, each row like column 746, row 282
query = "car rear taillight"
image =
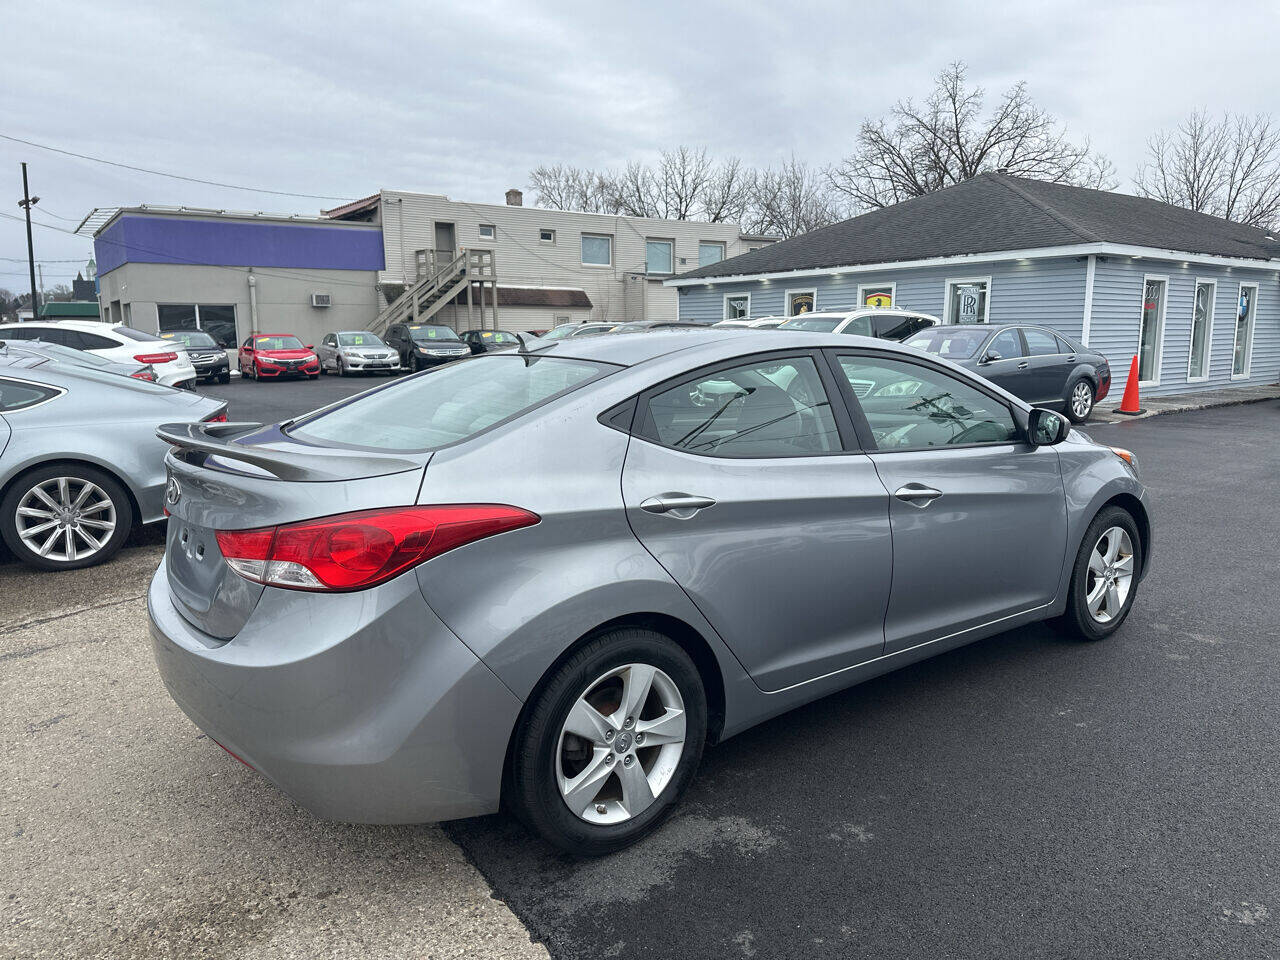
column 215, row 418
column 144, row 375
column 353, row 551
column 155, row 357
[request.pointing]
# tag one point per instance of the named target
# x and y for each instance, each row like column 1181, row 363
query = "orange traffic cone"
column 1129, row 404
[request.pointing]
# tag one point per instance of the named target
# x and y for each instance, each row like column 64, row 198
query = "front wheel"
column 610, row 743
column 224, row 377
column 1080, row 401
column 1104, row 580
column 64, row 517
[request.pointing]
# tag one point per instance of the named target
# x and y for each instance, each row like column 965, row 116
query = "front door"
column 1011, row 369
column 978, row 515
column 446, row 245
column 738, row 485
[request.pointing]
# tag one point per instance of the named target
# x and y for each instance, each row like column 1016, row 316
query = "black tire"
column 532, row 789
column 224, row 377
column 18, row 489
column 313, row 376
column 342, row 368
column 1077, row 619
column 1087, row 390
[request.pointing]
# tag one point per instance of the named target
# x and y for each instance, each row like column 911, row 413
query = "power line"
column 56, row 216
column 24, row 260
column 171, row 176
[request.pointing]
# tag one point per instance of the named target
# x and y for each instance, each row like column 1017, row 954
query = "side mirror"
column 311, row 346
column 991, row 356
column 1047, row 427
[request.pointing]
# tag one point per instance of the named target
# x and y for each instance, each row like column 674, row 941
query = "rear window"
column 131, row 334
column 451, row 404
column 813, row 324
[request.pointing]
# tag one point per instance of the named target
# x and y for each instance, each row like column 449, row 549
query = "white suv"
column 865, row 322
column 113, row 342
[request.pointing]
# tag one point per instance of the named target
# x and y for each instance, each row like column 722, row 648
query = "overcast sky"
column 466, row 98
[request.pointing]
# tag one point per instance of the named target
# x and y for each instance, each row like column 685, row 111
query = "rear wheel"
column 63, row 517
column 610, row 743
column 1080, row 401
column 1104, row 580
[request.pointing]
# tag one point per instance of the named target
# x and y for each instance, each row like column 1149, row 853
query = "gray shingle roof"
column 996, row 212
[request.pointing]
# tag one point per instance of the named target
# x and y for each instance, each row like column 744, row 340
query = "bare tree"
column 562, row 187
column 921, row 148
column 791, row 199
column 1228, row 167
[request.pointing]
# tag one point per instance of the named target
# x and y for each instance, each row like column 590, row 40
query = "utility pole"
column 40, row 267
column 25, row 203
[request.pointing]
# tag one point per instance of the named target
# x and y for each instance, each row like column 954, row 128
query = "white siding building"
column 551, row 266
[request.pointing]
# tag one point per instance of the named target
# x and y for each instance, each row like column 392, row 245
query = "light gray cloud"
column 466, row 99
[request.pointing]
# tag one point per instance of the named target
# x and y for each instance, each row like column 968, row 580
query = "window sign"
column 1149, row 333
column 800, row 302
column 881, row 297
column 1242, row 352
column 737, row 306
column 968, row 301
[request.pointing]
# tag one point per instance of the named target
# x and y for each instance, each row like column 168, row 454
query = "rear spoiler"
column 298, row 463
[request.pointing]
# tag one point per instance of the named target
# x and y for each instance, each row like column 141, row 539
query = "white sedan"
column 114, row 342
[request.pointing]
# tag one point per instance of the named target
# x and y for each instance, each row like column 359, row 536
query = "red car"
column 277, row 355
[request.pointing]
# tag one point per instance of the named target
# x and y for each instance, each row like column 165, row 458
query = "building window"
column 488, row 231
column 801, row 301
column 1151, row 329
column 968, row 300
column 597, row 250
column 876, row 295
column 737, row 306
column 1201, row 330
column 658, row 256
column 547, row 236
column 1242, row 352
column 709, row 253
column 217, row 320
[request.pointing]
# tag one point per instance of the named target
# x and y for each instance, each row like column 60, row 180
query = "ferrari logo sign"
column 878, row 298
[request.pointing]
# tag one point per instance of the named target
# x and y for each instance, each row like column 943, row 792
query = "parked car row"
column 114, row 342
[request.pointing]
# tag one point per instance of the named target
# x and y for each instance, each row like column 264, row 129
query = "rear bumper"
column 362, row 707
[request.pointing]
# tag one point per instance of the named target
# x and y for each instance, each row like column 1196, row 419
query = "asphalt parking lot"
column 1026, row 796
column 270, row 401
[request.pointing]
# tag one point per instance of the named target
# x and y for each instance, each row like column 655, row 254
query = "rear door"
column 747, row 486
column 1050, row 367
column 978, row 515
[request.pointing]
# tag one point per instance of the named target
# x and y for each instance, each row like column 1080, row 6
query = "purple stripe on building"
column 150, row 239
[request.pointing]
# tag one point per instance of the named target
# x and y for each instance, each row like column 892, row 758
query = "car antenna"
column 524, row 344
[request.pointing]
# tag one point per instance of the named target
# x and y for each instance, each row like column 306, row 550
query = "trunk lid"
column 238, row 477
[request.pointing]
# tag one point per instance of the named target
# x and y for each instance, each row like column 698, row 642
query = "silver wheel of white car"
column 620, row 744
column 1110, row 575
column 65, row 517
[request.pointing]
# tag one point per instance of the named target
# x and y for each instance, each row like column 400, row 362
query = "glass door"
column 1149, row 335
column 1243, row 351
column 1201, row 323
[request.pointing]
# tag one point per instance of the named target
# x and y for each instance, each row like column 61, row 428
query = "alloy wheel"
column 620, row 744
column 65, row 519
column 1109, row 578
column 1081, row 400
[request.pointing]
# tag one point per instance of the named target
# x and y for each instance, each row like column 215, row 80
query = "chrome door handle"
column 682, row 506
column 1023, row 365
column 917, row 494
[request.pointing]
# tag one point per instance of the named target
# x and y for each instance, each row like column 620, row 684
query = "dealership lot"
column 1026, row 796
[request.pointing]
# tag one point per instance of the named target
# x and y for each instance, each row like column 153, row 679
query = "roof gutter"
column 968, row 259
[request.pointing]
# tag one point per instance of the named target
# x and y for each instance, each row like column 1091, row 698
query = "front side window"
column 597, row 251
column 769, row 408
column 1242, row 354
column 737, row 306
column 1007, row 344
column 456, row 402
column 1040, row 343
column 15, row 395
column 967, row 300
column 658, row 256
column 1150, row 329
column 911, row 407
column 709, row 253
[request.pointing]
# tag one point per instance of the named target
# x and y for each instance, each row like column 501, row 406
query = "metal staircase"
column 442, row 275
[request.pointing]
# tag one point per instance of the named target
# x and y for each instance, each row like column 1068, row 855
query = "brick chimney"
column 515, row 198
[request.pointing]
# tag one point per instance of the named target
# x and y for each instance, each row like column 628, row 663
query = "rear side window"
column 131, row 334
column 15, row 395
column 1040, row 343
column 769, row 408
column 452, row 404
column 91, row 341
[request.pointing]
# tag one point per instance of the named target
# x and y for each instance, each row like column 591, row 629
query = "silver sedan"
column 553, row 574
column 356, row 351
column 80, row 464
